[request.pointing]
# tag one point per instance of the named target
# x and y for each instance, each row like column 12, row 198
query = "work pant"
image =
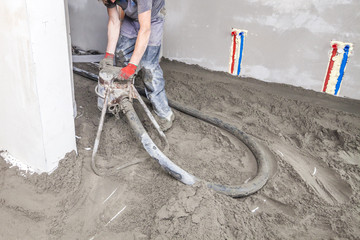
column 150, row 70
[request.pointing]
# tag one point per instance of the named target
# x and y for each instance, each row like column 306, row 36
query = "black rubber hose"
column 151, row 147
column 262, row 165
column 243, row 190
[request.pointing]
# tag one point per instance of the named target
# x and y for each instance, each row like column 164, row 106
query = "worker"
column 134, row 31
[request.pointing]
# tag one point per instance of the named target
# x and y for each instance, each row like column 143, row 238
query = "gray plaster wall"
column 88, row 24
column 288, row 41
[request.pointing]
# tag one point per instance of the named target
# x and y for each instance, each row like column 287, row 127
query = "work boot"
column 164, row 123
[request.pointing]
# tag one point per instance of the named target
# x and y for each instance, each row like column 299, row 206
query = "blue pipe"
column 241, row 51
column 342, row 68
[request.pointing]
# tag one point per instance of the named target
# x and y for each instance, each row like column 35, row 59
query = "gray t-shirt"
column 133, row 8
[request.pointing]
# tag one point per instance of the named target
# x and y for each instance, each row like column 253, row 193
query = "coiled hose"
column 242, row 190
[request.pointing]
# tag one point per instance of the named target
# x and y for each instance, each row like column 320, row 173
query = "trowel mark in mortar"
column 314, row 171
column 270, row 205
column 115, row 216
column 281, row 153
column 327, row 183
column 277, row 205
column 110, row 196
column 254, row 210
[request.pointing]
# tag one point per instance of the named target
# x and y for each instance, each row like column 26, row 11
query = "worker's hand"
column 127, row 71
column 108, row 60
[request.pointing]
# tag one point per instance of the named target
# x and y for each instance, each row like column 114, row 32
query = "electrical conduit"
column 241, row 51
column 233, row 33
column 342, row 68
column 330, row 67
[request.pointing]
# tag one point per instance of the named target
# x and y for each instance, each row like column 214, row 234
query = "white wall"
column 36, row 124
column 288, row 41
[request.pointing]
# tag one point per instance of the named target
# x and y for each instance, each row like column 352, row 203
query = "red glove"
column 108, row 60
column 127, row 71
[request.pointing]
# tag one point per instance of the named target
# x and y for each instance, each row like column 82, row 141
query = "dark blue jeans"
column 149, row 67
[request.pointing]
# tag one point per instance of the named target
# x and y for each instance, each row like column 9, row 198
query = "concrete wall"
column 88, row 23
column 36, row 124
column 288, row 41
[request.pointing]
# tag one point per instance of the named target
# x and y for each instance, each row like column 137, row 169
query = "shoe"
column 164, row 123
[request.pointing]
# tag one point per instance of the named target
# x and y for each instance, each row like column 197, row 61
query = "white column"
column 36, row 105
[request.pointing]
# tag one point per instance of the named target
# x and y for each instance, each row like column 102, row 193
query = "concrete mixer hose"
column 178, row 173
column 234, row 191
column 262, row 175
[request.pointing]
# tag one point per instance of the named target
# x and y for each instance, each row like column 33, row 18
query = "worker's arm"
column 142, row 41
column 113, row 28
column 143, row 37
column 116, row 15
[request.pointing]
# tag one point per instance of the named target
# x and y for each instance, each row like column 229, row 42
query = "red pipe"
column 331, row 64
column 233, row 33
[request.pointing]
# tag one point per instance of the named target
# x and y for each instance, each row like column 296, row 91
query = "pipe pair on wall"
column 236, row 50
column 335, row 71
column 336, row 67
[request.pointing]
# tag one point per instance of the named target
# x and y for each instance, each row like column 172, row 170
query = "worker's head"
column 108, row 1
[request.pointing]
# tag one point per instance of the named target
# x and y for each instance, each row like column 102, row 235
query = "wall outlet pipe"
column 336, row 67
